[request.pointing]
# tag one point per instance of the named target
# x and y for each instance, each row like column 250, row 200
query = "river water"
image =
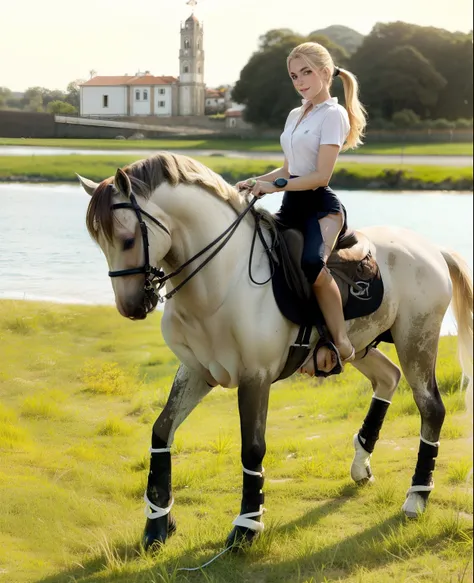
column 399, row 159
column 47, row 254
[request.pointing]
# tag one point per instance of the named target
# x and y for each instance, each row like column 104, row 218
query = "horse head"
column 132, row 233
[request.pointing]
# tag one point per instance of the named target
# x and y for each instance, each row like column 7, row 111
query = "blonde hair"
column 318, row 57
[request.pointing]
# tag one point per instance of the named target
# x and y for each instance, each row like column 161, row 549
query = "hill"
column 343, row 36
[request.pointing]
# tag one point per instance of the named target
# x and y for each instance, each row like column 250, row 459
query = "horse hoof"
column 240, row 538
column 157, row 531
column 414, row 505
column 361, row 472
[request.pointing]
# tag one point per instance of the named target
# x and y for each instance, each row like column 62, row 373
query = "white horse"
column 227, row 331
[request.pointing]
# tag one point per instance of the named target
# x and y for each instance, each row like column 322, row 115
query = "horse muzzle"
column 138, row 308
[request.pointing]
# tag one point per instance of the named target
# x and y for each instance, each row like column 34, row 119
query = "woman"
column 314, row 135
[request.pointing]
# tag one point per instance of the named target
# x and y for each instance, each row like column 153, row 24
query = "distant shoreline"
column 338, row 182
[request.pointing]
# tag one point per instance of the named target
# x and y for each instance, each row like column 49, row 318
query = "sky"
column 49, row 43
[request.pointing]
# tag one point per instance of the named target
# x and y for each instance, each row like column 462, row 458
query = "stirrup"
column 339, row 366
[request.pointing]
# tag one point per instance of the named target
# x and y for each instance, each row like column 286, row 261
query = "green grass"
column 246, row 145
column 80, row 388
column 348, row 174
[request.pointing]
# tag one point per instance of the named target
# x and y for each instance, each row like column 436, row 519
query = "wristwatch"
column 280, row 182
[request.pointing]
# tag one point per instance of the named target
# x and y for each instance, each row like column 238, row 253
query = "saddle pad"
column 297, row 302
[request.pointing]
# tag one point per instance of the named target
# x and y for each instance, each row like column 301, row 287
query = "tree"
column 60, row 107
column 404, row 80
column 448, row 55
column 33, row 98
column 264, row 86
column 406, row 119
column 73, row 93
column 4, row 95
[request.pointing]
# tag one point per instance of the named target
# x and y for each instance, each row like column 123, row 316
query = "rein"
column 155, row 279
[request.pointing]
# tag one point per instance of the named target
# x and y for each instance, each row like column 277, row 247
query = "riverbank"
column 76, row 418
column 348, row 175
column 242, row 145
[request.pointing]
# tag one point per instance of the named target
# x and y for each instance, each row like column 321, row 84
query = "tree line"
column 409, row 75
column 40, row 99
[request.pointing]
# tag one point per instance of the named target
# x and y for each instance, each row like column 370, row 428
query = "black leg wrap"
column 159, row 478
column 252, row 500
column 252, row 495
column 370, row 429
column 427, row 455
column 157, row 530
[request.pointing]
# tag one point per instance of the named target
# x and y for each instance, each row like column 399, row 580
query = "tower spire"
column 192, row 3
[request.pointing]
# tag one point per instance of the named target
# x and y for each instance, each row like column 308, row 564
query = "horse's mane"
column 148, row 174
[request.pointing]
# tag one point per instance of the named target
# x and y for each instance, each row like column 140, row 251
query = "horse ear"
column 122, row 183
column 88, row 185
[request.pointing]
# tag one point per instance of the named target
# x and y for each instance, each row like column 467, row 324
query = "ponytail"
column 355, row 109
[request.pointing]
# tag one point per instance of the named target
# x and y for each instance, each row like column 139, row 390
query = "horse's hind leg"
column 384, row 376
column 416, row 339
column 187, row 391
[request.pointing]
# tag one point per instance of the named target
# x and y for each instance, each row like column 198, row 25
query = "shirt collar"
column 330, row 101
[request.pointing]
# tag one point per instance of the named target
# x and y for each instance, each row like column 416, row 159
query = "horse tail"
column 462, row 307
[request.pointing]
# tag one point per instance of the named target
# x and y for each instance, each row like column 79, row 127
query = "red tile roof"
column 233, row 113
column 102, row 81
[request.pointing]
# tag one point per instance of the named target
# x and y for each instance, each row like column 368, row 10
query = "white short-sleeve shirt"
column 326, row 123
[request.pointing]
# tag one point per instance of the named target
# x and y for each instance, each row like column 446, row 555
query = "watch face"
column 281, row 182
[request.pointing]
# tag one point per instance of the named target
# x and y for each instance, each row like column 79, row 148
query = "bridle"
column 155, row 279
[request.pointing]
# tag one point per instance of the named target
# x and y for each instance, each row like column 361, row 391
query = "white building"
column 215, row 101
column 144, row 94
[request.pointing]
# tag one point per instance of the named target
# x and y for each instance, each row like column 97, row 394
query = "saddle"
column 352, row 264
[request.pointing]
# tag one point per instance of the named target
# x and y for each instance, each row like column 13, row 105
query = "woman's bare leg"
column 329, row 300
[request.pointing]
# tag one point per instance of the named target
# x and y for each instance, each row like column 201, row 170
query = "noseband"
column 155, row 278
column 150, row 272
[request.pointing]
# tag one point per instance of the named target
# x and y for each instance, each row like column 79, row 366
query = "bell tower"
column 191, row 67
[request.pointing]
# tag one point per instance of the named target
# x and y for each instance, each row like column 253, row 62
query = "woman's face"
column 307, row 82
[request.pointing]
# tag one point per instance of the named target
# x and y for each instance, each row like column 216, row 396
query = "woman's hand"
column 245, row 184
column 260, row 188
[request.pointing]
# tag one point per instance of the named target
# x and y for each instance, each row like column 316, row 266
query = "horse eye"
column 128, row 244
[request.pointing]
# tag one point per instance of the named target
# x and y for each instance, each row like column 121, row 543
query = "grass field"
column 431, row 149
column 63, row 168
column 80, row 388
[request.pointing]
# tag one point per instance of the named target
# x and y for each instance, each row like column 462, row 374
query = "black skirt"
column 302, row 210
column 299, row 206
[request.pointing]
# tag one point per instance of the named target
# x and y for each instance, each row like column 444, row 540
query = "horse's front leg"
column 253, row 408
column 187, row 391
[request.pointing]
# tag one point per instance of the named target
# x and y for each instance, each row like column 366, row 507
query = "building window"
column 186, row 69
column 232, row 122
column 161, row 103
column 145, row 95
column 137, row 95
column 105, row 101
column 161, row 91
column 187, row 44
column 199, row 70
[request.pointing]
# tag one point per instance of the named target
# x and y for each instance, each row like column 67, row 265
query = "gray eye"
column 128, row 244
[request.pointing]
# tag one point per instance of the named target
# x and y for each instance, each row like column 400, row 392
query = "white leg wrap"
column 360, row 468
column 415, row 489
column 252, row 473
column 433, row 443
column 163, row 450
column 415, row 504
column 152, row 512
column 245, row 520
column 374, row 396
